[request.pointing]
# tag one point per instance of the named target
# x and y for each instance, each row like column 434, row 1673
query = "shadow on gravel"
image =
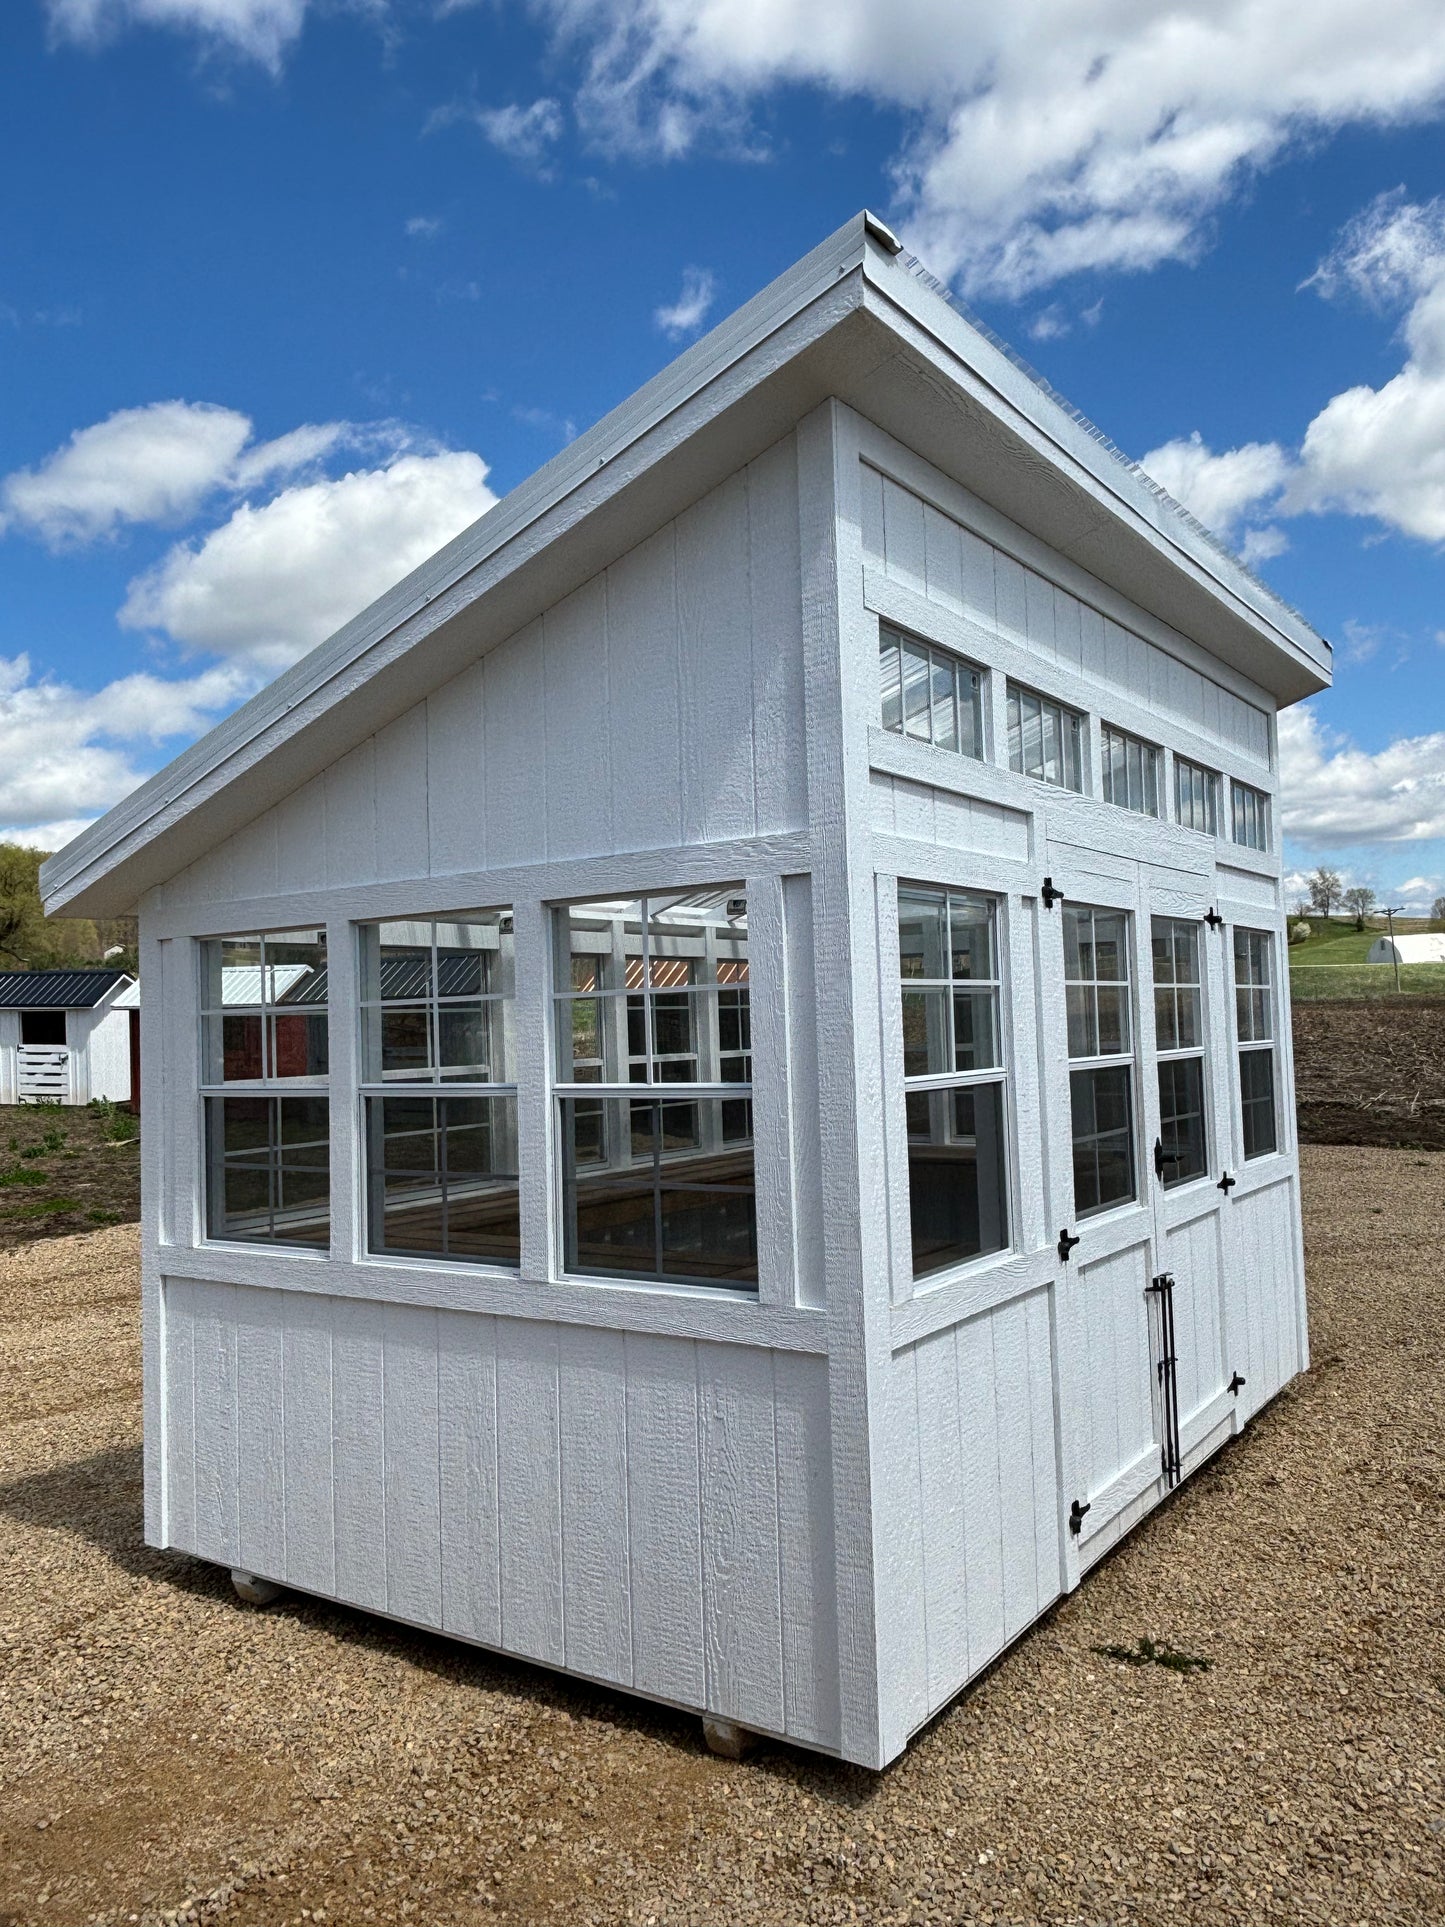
column 100, row 1498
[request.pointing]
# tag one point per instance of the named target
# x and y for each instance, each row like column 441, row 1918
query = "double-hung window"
column 654, row 1108
column 264, row 1067
column 1250, row 821
column 1196, row 797
column 1128, row 771
column 953, row 1076
column 438, row 1085
column 1254, row 1013
column 929, row 693
column 1045, row 740
column 1182, row 1153
column 1101, row 1057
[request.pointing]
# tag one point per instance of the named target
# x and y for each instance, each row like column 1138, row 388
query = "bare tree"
column 1360, row 901
column 1326, row 890
column 1437, row 910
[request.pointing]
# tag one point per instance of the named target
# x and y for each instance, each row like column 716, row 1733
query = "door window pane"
column 1098, row 990
column 1181, row 1119
column 1103, row 1135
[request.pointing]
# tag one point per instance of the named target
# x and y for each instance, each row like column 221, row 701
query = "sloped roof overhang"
column 855, row 320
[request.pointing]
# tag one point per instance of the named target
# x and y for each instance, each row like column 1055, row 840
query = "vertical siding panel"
column 576, row 711
column 301, row 838
column 529, row 1498
column 260, row 1433
column 1039, row 615
column 180, row 1470
column 306, row 1396
column 805, row 1538
column 401, row 796
column 903, row 1692
column 976, row 561
column 942, row 560
column 248, row 859
column 945, row 1568
column 359, row 1422
column 982, row 1506
column 664, row 1519
column 1010, row 597
column 913, row 811
column 455, row 774
column 592, row 1376
column 351, row 817
column 512, row 715
column 715, row 655
column 903, row 536
column 1016, row 1470
column 776, row 595
column 742, row 1631
column 411, row 1464
column 870, row 484
column 217, row 1467
column 646, row 775
column 467, row 1414
column 1093, row 651
column 805, row 1090
column 1068, row 639
column 1047, row 1570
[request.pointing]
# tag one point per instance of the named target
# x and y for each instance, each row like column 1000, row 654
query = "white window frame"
column 1125, row 1059
column 1256, row 1027
column 1129, row 768
column 1203, row 784
column 1181, row 1053
column 947, row 679
column 1069, row 733
column 1249, row 811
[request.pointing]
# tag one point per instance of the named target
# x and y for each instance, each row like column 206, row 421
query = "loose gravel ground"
column 168, row 1753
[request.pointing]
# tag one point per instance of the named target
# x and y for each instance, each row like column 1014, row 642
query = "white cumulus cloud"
column 687, row 314
column 1219, row 489
column 273, row 581
column 526, row 135
column 261, row 30
column 1336, row 795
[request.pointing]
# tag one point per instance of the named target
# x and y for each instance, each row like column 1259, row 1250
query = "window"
column 1129, row 771
column 42, row 1026
column 1179, row 1043
column 1045, row 739
column 438, row 1086
column 930, row 694
column 1251, row 816
column 264, row 1065
column 1254, row 1027
column 1101, row 1076
column 953, row 1077
column 1196, row 797
column 655, row 1107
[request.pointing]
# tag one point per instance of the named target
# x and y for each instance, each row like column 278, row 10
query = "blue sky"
column 291, row 291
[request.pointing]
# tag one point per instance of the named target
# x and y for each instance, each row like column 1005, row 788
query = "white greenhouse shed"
column 64, row 1036
column 1412, row 947
column 717, row 1062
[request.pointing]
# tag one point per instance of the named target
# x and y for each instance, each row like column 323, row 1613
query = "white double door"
column 1143, row 1361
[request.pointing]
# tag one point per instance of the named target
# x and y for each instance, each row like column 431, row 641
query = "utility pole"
column 1391, row 912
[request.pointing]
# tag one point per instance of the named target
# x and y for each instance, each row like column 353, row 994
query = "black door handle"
column 1163, row 1157
column 1066, row 1244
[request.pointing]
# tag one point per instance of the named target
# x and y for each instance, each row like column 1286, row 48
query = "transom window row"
column 935, row 696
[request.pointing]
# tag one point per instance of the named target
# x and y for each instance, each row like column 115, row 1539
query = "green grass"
column 22, row 1176
column 1320, row 983
column 1147, row 1653
column 42, row 1208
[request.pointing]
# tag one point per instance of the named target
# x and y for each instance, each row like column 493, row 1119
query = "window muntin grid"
column 1045, row 740
column 929, row 694
column 1179, row 1038
column 1196, row 797
column 1098, row 1001
column 654, row 1068
column 1128, row 771
column 1254, row 1023
column 1249, row 816
column 954, row 1079
column 438, row 1087
column 264, row 1074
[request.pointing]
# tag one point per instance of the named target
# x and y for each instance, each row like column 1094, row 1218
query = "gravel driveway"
column 168, row 1753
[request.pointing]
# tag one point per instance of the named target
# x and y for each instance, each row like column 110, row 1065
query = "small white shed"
column 718, row 1061
column 1426, row 946
column 64, row 1036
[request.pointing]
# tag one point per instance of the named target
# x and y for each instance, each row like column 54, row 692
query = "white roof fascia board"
column 1088, row 460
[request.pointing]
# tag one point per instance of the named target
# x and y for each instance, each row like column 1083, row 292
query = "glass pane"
column 463, row 1040
column 397, row 962
column 405, row 1041
column 1166, row 1024
column 1103, row 1138
column 298, row 1044
column 1052, row 769
column 1078, row 945
column 1015, row 731
column 230, row 968
column 1181, row 1120
column 268, row 1164
column 975, row 1031
column 1113, row 1008
column 1161, row 945
column 925, row 1033
column 1111, row 959
column 1256, row 1091
column 469, row 960
column 1033, row 734
column 923, row 934
column 233, row 1049
column 945, row 720
column 970, row 713
column 915, row 691
column 890, row 679
column 957, row 1176
column 1073, row 753
column 1083, row 1023
column 971, row 937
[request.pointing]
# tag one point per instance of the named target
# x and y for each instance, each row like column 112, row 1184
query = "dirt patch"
column 1371, row 1073
column 66, row 1168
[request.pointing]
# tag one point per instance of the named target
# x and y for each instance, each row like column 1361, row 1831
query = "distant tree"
column 1325, row 890
column 1360, row 901
column 1437, row 910
column 29, row 940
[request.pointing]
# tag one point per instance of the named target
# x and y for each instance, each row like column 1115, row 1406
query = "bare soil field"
column 169, row 1754
column 1371, row 1072
column 65, row 1168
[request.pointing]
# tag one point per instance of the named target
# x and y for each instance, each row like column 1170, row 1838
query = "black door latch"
column 1066, row 1245
column 1163, row 1157
column 1050, row 895
column 1235, row 1383
column 1214, row 920
column 1227, row 1184
column 1076, row 1516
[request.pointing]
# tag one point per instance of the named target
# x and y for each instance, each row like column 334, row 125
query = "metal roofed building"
column 64, row 1036
column 797, row 1156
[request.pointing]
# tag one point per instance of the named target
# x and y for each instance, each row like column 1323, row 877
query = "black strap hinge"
column 1066, row 1245
column 1076, row 1516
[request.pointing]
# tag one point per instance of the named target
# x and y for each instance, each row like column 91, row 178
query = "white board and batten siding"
column 648, row 1511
